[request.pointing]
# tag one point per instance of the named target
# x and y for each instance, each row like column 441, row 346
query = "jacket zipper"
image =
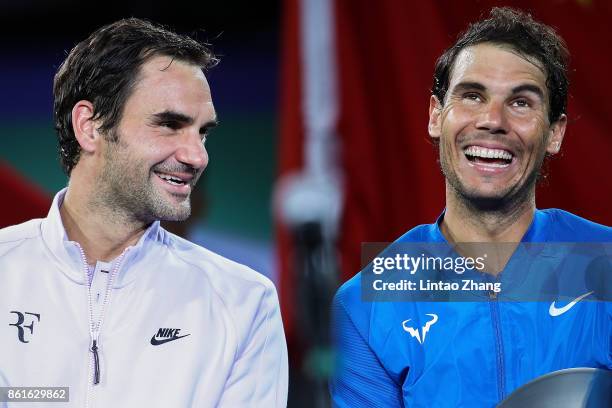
column 94, row 350
column 94, row 327
column 499, row 346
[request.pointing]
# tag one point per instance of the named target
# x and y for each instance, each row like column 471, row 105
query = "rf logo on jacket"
column 19, row 324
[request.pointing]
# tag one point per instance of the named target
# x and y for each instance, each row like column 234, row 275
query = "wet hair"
column 522, row 34
column 104, row 68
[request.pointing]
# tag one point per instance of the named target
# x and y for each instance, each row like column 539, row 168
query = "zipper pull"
column 94, row 349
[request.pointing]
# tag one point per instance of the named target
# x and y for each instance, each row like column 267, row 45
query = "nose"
column 192, row 151
column 493, row 118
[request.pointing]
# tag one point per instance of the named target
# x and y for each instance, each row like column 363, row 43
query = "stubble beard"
column 504, row 201
column 127, row 191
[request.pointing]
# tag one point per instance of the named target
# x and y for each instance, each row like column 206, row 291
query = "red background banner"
column 386, row 53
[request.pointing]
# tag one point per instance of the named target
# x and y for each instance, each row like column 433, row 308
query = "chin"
column 482, row 198
column 170, row 210
column 495, row 200
column 486, row 203
column 180, row 212
column 174, row 217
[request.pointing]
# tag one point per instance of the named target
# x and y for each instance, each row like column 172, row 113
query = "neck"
column 464, row 222
column 103, row 234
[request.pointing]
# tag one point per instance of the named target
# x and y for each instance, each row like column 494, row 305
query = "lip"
column 486, row 168
column 186, row 177
column 183, row 189
column 490, row 145
column 490, row 169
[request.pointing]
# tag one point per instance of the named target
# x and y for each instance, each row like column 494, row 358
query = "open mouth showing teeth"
column 491, row 157
column 171, row 180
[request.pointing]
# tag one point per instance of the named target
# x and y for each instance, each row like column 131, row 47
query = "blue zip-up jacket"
column 476, row 353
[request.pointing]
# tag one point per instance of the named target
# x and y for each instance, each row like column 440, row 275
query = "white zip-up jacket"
column 167, row 324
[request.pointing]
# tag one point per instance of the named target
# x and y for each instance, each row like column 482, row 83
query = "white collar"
column 68, row 257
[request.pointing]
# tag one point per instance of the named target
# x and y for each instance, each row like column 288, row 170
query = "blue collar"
column 538, row 230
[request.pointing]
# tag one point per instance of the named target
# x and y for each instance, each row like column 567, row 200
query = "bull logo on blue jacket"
column 414, row 332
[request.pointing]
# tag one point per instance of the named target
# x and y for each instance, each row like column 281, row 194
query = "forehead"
column 496, row 67
column 165, row 83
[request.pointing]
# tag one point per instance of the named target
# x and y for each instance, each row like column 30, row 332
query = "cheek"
column 455, row 118
column 533, row 133
column 139, row 160
column 155, row 152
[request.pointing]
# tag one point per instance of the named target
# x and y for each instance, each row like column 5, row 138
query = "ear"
column 555, row 135
column 435, row 113
column 84, row 126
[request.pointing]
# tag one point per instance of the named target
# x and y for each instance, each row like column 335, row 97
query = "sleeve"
column 609, row 335
column 359, row 379
column 3, row 383
column 259, row 377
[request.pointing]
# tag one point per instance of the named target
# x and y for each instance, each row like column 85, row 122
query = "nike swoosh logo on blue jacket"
column 476, row 353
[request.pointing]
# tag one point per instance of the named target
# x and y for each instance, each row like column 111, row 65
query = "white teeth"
column 172, row 180
column 483, row 152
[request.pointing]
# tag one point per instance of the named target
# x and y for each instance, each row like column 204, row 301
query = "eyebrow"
column 172, row 116
column 466, row 86
column 477, row 86
column 185, row 120
column 529, row 88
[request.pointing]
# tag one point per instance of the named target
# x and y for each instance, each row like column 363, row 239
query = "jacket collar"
column 538, row 231
column 67, row 255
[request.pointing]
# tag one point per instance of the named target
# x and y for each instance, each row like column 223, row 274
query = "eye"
column 521, row 103
column 472, row 96
column 170, row 124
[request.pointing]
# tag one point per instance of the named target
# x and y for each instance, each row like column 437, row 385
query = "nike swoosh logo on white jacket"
column 235, row 354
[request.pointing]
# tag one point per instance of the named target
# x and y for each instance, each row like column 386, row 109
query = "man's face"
column 493, row 128
column 149, row 173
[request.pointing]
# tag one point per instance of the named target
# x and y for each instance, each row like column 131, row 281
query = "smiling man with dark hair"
column 497, row 110
column 98, row 297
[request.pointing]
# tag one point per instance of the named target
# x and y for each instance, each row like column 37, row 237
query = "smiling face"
column 493, row 127
column 150, row 171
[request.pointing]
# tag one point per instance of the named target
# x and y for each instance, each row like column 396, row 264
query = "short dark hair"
column 104, row 68
column 519, row 31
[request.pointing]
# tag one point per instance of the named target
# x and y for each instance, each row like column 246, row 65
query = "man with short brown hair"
column 497, row 110
column 98, row 297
